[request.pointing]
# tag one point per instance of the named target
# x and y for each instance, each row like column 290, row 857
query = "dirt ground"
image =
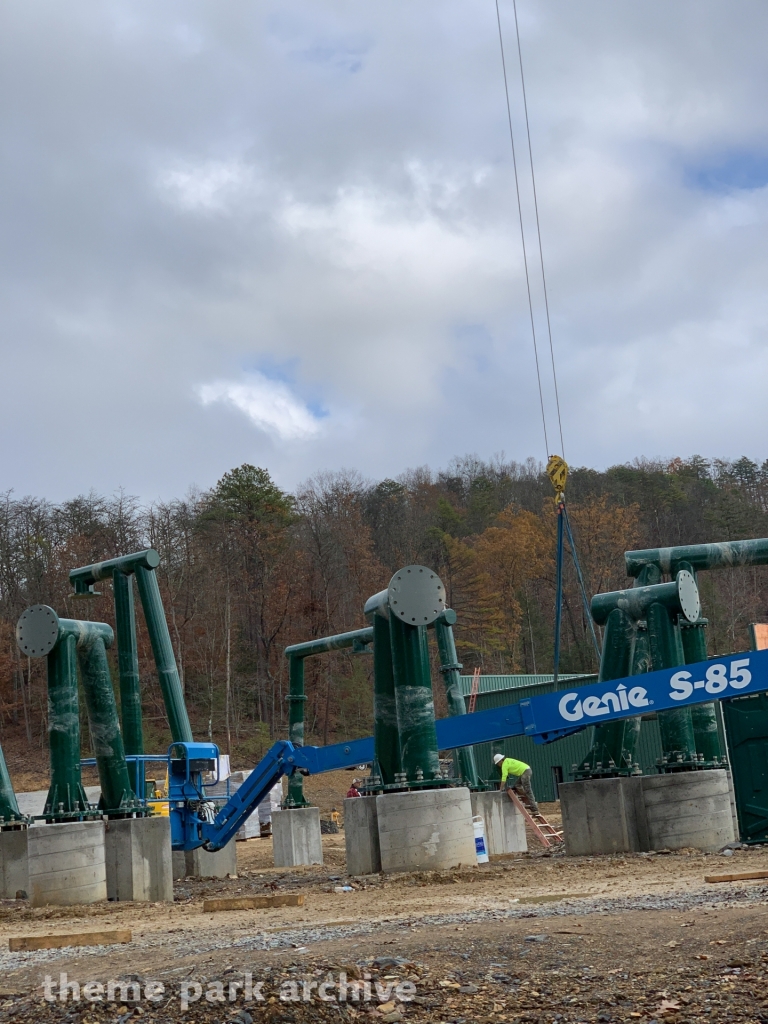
column 535, row 937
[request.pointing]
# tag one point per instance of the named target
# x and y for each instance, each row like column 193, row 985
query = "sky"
column 286, row 232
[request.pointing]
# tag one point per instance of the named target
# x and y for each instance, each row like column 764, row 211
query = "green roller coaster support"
column 414, row 701
column 358, row 640
column 296, row 698
column 614, row 743
column 10, row 815
column 117, row 797
column 726, row 555
column 386, row 738
column 143, row 564
column 676, row 726
column 128, row 669
column 162, row 649
column 66, row 796
column 451, row 669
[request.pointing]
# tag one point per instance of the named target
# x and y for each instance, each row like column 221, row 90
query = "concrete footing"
column 504, row 824
column 428, row 830
column 649, row 812
column 201, row 863
column 14, row 864
column 689, row 809
column 67, row 863
column 138, row 854
column 296, row 837
column 361, row 836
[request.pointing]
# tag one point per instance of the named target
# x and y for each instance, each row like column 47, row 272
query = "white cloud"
column 210, row 186
column 270, row 405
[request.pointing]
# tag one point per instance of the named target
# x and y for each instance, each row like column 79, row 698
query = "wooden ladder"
column 474, row 691
column 547, row 834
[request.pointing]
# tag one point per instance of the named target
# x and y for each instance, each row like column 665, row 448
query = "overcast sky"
column 286, row 233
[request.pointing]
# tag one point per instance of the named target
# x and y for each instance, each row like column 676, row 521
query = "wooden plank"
column 26, row 943
column 288, row 899
column 737, row 876
column 253, row 902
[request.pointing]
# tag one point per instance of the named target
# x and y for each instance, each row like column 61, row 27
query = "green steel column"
column 676, row 726
column 414, row 701
column 116, row 793
column 613, row 746
column 162, row 649
column 450, row 669
column 9, row 808
column 66, row 794
column 128, row 668
column 385, row 735
column 296, row 698
column 703, row 716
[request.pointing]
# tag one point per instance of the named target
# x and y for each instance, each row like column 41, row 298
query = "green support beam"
column 358, row 640
column 385, row 734
column 162, row 649
column 451, row 669
column 414, row 701
column 142, row 564
column 676, row 726
column 117, row 796
column 128, row 670
column 10, row 815
column 296, row 698
column 614, row 743
column 66, row 795
column 726, row 555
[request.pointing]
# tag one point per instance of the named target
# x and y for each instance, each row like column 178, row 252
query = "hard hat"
column 497, row 758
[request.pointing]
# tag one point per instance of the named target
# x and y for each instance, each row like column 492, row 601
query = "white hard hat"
column 497, row 758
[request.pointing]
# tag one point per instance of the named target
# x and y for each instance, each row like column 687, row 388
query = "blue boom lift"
column 195, row 821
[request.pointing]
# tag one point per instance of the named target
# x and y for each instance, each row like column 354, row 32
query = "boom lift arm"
column 194, row 821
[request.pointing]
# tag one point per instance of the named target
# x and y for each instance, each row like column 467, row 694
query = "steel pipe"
column 681, row 595
column 162, row 649
column 128, row 670
column 117, row 796
column 414, row 701
column 450, row 670
column 83, row 578
column 725, row 555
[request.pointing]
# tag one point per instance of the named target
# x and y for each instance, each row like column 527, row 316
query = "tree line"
column 248, row 568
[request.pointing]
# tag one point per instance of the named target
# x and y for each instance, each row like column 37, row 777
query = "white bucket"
column 481, row 849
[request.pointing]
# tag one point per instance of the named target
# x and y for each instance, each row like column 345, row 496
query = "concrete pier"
column 426, row 830
column 67, row 863
column 689, row 809
column 604, row 816
column 504, row 824
column 139, row 864
column 296, row 837
column 649, row 812
column 201, row 863
column 14, row 863
column 361, row 835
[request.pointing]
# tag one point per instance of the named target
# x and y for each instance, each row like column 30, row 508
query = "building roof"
column 492, row 684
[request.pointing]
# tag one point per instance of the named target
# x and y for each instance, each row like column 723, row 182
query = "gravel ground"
column 680, row 957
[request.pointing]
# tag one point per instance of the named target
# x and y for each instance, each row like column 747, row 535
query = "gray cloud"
column 286, row 233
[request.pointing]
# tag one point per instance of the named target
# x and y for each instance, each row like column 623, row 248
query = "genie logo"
column 573, row 708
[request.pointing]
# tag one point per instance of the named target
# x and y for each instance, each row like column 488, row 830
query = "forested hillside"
column 247, row 569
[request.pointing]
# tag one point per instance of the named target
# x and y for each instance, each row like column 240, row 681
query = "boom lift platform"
column 195, row 821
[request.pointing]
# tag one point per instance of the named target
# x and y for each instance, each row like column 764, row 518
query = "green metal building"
column 551, row 763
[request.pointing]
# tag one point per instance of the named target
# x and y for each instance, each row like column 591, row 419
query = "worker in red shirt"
column 353, row 790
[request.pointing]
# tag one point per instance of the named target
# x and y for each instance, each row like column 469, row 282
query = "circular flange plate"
column 688, row 593
column 416, row 595
column 37, row 630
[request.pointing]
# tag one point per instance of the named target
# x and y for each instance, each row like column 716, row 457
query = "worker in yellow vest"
column 516, row 775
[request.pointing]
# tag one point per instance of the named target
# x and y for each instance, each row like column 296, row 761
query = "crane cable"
column 557, row 468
